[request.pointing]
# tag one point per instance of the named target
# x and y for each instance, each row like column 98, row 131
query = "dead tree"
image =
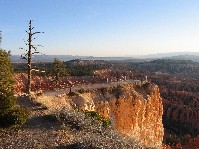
column 28, row 55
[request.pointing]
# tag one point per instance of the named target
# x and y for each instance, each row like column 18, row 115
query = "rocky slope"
column 135, row 110
column 65, row 129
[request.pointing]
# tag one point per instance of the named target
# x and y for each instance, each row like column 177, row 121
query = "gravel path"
column 89, row 86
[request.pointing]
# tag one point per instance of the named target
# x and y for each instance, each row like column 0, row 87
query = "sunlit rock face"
column 135, row 110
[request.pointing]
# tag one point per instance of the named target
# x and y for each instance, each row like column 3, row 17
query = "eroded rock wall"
column 182, row 116
column 135, row 110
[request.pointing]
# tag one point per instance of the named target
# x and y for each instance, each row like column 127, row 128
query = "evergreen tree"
column 10, row 113
column 7, row 98
column 59, row 69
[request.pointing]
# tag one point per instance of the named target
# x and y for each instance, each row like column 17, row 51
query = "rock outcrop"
column 135, row 110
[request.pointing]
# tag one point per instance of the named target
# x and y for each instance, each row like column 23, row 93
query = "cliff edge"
column 135, row 110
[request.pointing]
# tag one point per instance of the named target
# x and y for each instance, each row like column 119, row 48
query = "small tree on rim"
column 10, row 113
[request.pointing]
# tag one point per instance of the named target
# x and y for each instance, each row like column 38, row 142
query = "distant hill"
column 194, row 56
column 44, row 58
column 162, row 55
column 50, row 58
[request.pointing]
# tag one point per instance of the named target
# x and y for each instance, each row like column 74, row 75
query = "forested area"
column 72, row 68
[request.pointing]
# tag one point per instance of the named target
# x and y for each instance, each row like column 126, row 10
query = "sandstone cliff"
column 135, row 110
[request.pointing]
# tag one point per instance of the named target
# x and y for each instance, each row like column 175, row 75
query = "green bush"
column 99, row 117
column 13, row 116
column 6, row 101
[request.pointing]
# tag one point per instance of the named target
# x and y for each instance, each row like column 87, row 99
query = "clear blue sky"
column 102, row 27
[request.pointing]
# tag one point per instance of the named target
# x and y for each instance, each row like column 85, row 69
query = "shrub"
column 13, row 116
column 6, row 101
column 99, row 117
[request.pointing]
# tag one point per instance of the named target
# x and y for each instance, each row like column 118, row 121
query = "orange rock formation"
column 135, row 110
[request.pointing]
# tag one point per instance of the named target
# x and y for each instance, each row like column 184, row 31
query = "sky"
column 102, row 27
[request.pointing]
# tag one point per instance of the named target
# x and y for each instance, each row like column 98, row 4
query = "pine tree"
column 10, row 113
column 7, row 99
column 59, row 69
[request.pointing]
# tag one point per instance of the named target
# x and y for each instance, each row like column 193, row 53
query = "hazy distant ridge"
column 194, row 56
column 50, row 58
